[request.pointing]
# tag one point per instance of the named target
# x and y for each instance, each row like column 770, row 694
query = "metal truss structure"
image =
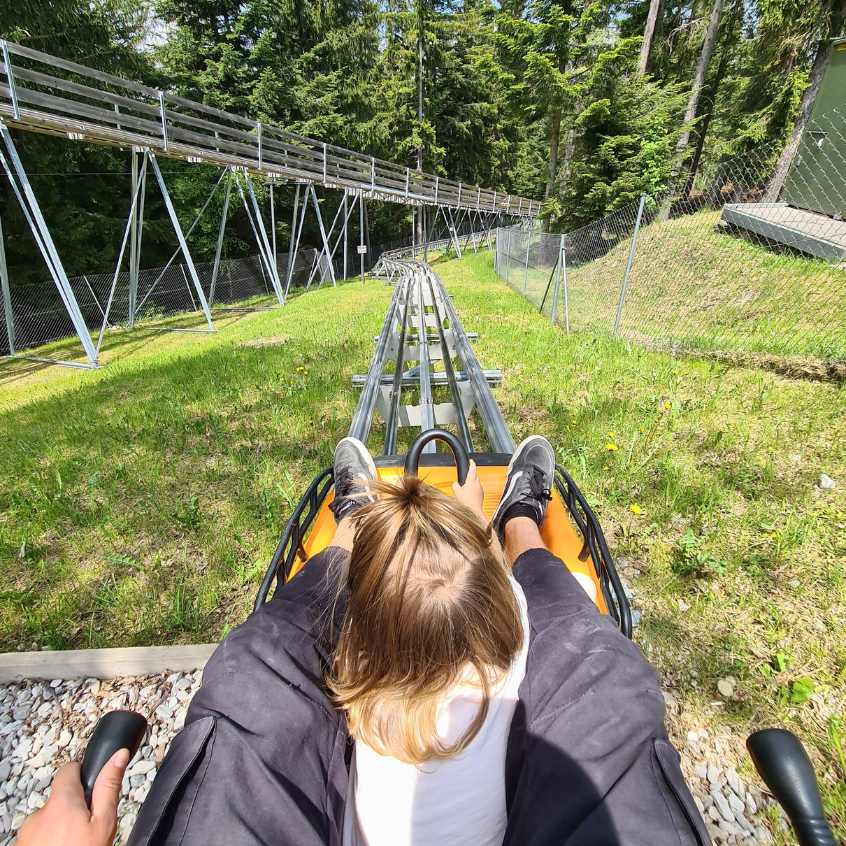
column 47, row 94
column 421, row 328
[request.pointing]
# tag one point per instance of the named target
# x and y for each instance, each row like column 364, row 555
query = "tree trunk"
column 699, row 75
column 421, row 225
column 569, row 149
column 713, row 90
column 838, row 15
column 648, row 35
column 420, row 24
column 554, row 141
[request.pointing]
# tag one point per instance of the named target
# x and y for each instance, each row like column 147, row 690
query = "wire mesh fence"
column 34, row 316
column 750, row 257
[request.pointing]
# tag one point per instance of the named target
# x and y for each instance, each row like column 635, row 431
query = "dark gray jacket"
column 263, row 756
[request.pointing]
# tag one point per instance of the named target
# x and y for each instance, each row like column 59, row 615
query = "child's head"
column 429, row 598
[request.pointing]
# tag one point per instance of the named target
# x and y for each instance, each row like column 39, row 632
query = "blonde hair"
column 429, row 597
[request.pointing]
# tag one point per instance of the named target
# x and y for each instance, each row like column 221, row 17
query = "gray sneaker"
column 528, row 485
column 353, row 468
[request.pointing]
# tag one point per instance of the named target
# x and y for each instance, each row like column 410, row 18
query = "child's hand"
column 470, row 493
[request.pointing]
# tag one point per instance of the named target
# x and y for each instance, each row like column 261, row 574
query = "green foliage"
column 627, row 132
column 537, row 97
column 692, row 557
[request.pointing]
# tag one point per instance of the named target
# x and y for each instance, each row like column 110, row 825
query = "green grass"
column 706, row 289
column 140, row 503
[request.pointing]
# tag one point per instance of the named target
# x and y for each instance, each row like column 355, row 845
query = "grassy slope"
column 709, row 290
column 150, row 493
column 140, row 503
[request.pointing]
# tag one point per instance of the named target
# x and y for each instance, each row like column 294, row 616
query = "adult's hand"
column 66, row 821
column 471, row 493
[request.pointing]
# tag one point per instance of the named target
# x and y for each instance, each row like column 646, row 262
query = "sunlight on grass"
column 723, row 464
column 702, row 288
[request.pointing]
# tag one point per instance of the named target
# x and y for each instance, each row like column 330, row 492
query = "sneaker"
column 354, row 467
column 528, row 486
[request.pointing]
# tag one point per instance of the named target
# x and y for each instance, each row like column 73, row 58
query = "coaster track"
column 48, row 94
column 422, row 326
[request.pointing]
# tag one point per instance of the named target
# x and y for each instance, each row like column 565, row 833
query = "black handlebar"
column 462, row 460
column 784, row 766
column 115, row 730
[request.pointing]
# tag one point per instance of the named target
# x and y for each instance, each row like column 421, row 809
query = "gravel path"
column 733, row 809
column 44, row 724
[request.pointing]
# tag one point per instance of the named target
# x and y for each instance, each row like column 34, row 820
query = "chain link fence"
column 748, row 258
column 33, row 315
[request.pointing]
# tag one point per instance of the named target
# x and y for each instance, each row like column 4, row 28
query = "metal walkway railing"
column 44, row 93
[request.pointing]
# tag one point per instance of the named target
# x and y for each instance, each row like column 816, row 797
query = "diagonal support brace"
column 183, row 245
column 38, row 226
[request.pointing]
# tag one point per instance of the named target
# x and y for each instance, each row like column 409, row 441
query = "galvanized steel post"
column 177, row 228
column 346, row 216
column 219, row 247
column 632, row 250
column 7, row 294
column 361, row 245
column 38, row 226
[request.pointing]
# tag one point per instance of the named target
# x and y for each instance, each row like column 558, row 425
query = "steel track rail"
column 461, row 418
column 363, row 416
column 397, row 385
column 499, row 437
column 427, row 406
column 406, row 313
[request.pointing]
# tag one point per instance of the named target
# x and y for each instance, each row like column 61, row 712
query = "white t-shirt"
column 457, row 801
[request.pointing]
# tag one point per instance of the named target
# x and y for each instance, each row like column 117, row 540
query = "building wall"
column 817, row 178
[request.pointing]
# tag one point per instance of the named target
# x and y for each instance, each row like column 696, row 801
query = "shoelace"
column 345, row 493
column 343, row 482
column 536, row 484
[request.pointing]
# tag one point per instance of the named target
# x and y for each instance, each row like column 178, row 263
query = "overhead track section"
column 44, row 93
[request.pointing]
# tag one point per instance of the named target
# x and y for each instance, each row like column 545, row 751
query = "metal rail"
column 421, row 329
column 363, row 416
column 494, row 423
column 44, row 93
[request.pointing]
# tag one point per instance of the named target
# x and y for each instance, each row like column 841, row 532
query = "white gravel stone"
column 31, row 748
column 143, row 766
column 43, row 725
column 722, row 806
column 734, row 782
column 164, row 712
column 827, row 483
column 34, row 801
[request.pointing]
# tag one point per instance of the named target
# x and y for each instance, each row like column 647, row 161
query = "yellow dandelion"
column 635, row 508
column 611, row 446
column 667, row 405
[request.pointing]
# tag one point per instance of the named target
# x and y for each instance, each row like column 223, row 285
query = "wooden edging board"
column 103, row 663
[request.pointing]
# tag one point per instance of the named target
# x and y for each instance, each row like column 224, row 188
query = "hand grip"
column 784, row 766
column 115, row 730
column 462, row 460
